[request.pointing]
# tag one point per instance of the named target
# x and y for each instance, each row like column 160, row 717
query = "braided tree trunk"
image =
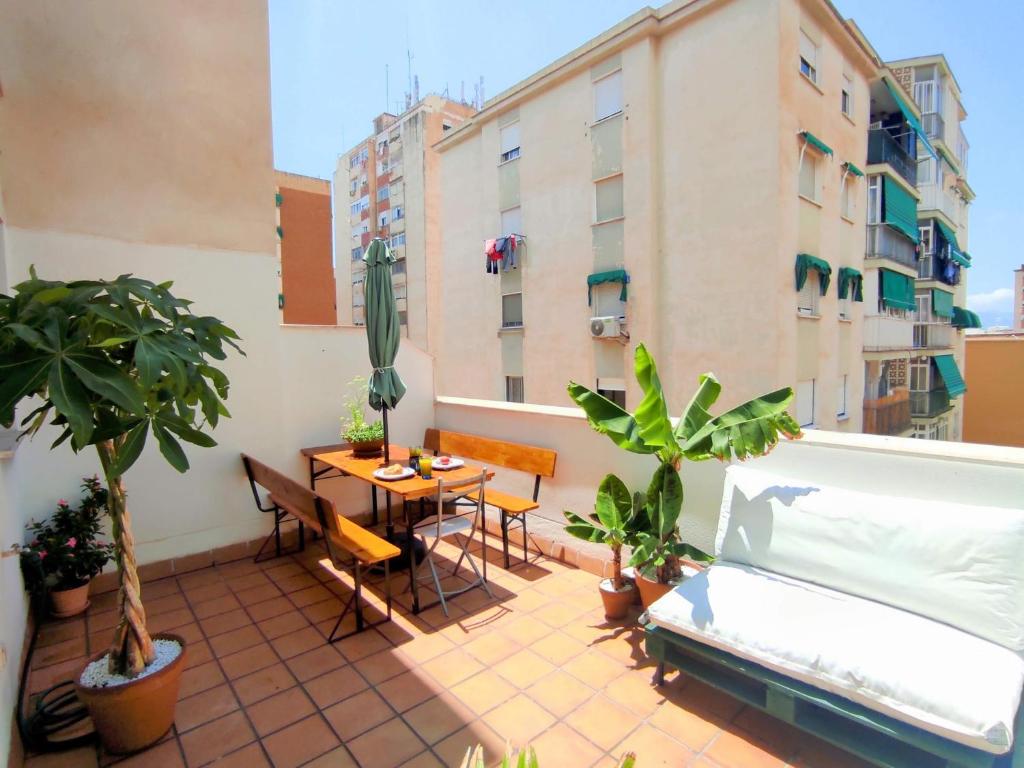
column 132, row 647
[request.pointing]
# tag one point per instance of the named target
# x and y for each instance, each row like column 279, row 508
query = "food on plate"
column 393, row 471
column 442, row 460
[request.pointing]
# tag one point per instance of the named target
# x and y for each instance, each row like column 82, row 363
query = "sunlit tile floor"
column 537, row 664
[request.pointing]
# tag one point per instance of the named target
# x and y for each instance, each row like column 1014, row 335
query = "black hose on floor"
column 56, row 711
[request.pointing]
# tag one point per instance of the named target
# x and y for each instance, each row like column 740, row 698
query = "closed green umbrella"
column 383, row 332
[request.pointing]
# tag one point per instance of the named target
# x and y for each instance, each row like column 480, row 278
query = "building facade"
column 1018, row 297
column 993, row 407
column 306, row 267
column 709, row 216
column 387, row 186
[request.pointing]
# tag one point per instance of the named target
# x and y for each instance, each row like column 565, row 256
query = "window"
column 398, row 240
column 352, row 187
column 845, row 197
column 357, row 253
column 875, row 200
column 924, row 232
column 398, row 212
column 920, row 380
column 446, row 126
column 616, row 395
column 403, row 317
column 846, row 98
column 805, row 402
column 608, row 199
column 807, row 297
column 926, row 94
column 512, row 310
column 510, row 142
column 809, row 174
column 398, row 268
column 514, row 389
column 512, row 221
column 608, row 96
column 384, row 218
column 927, row 170
column 383, row 193
column 382, row 167
column 845, row 306
column 841, row 396
column 808, row 57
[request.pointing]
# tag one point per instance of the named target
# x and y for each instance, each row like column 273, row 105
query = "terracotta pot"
column 137, row 714
column 368, row 447
column 616, row 603
column 69, row 602
column 629, row 574
column 650, row 590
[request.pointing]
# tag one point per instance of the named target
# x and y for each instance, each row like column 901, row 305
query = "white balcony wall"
column 884, row 332
column 935, row 198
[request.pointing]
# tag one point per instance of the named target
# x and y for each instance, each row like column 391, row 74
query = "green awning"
column 805, row 262
column 611, row 276
column 897, row 290
column 900, row 209
column 280, row 232
column 966, row 255
column 278, row 199
column 853, row 168
column 850, row 278
column 949, row 159
column 964, row 318
column 954, row 247
column 814, row 141
column 950, row 374
column 942, row 303
column 910, row 117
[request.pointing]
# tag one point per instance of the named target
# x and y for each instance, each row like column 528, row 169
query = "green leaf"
column 665, row 500
column 115, row 341
column 52, row 295
column 582, row 529
column 609, row 419
column 128, row 452
column 148, row 361
column 614, row 503
column 697, row 413
column 19, row 378
column 750, row 429
column 70, row 398
column 170, row 448
column 652, row 413
column 108, row 380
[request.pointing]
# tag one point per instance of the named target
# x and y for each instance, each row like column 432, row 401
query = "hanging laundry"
column 489, row 257
column 509, row 261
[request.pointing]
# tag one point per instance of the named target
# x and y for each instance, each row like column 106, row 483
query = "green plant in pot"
column 366, row 438
column 748, row 430
column 109, row 362
column 610, row 523
column 65, row 552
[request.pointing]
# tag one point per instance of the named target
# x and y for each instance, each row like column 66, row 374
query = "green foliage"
column 748, row 430
column 611, row 522
column 354, row 427
column 65, row 552
column 112, row 360
column 524, row 758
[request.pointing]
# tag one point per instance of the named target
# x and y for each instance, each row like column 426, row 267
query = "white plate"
column 407, row 472
column 453, row 463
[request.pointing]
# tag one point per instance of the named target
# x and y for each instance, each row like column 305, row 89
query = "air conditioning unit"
column 605, row 327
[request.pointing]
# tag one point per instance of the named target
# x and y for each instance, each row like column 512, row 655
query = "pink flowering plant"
column 65, row 551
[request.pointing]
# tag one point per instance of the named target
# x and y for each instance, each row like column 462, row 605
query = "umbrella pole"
column 390, row 525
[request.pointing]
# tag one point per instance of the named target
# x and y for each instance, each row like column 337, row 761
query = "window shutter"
column 509, row 138
column 608, row 96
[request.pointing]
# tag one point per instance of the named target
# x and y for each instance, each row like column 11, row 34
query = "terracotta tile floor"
column 536, row 664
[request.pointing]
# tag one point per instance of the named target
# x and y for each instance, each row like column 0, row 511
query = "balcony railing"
column 933, row 336
column 925, row 405
column 930, row 267
column 883, row 242
column 933, row 124
column 934, row 198
column 887, row 416
column 883, row 148
column 884, row 333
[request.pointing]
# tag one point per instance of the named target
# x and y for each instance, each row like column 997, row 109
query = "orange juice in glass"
column 426, row 465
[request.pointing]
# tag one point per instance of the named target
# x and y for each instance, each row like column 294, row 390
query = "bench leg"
column 504, row 537
column 659, row 674
column 356, row 603
column 279, row 517
column 522, row 519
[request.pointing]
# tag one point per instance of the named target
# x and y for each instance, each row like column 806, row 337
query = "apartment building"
column 387, row 186
column 688, row 179
column 1018, row 297
column 306, row 267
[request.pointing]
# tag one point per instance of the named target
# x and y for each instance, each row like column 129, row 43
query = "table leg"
column 409, row 532
column 483, row 537
column 390, row 526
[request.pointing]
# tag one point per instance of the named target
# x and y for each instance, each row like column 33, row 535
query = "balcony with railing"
column 933, row 336
column 933, row 267
column 927, row 405
column 883, row 148
column 885, row 333
column 934, row 126
column 935, row 198
column 888, row 415
column 883, row 242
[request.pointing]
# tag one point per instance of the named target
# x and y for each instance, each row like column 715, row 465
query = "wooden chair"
column 540, row 462
column 340, row 535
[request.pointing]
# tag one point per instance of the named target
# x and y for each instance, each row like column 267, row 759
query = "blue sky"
column 328, row 82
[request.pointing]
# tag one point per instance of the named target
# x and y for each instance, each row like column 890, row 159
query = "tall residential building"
column 685, row 180
column 307, row 295
column 1018, row 297
column 389, row 185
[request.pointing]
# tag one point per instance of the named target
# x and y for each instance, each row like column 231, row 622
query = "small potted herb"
column 65, row 554
column 366, row 438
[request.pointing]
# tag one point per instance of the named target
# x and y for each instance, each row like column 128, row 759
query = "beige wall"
column 993, row 411
column 1018, row 298
column 713, row 102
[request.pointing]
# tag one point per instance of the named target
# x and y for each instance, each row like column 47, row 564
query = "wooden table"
column 411, row 489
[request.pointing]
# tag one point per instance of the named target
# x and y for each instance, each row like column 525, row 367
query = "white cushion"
column 954, row 563
column 919, row 671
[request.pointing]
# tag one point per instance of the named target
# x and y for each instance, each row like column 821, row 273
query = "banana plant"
column 748, row 430
column 612, row 522
column 109, row 362
column 525, row 758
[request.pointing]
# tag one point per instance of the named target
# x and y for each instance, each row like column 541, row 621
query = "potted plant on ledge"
column 610, row 524
column 64, row 554
column 366, row 438
column 108, row 363
column 748, row 430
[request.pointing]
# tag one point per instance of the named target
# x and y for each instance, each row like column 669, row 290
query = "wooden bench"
column 339, row 534
column 539, row 462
